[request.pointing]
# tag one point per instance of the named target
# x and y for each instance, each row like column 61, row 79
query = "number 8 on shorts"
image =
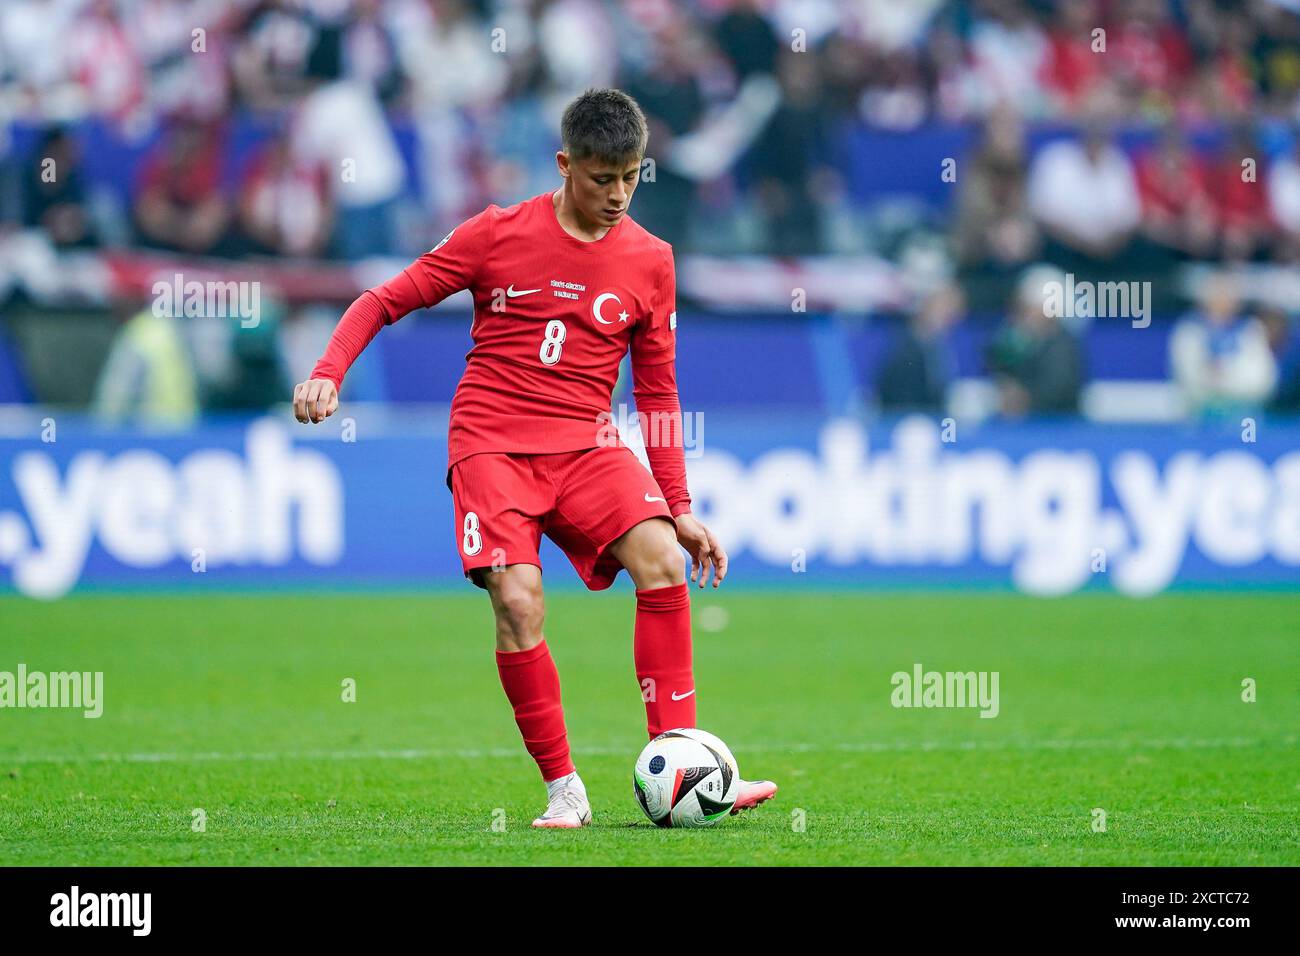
column 472, row 542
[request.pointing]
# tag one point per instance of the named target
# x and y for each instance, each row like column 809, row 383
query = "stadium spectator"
column 671, row 93
column 35, row 81
column 746, row 39
column 101, row 55
column 1037, row 364
column 189, row 64
column 11, row 177
column 1284, row 199
column 921, row 363
column 993, row 227
column 249, row 375
column 1237, row 182
column 1072, row 70
column 369, row 51
column 578, row 47
column 340, row 133
column 786, row 162
column 179, row 201
column 149, row 375
column 895, row 97
column 950, row 82
column 284, row 206
column 1008, row 51
column 1220, row 356
column 844, row 71
column 1177, row 207
column 54, row 191
column 1284, row 342
column 1084, row 195
column 1228, row 73
column 1277, row 57
column 1149, row 54
column 270, row 59
column 820, row 20
column 456, row 80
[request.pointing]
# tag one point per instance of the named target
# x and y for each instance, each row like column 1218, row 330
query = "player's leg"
column 528, row 673
column 518, row 606
column 610, row 515
column 661, row 641
column 662, row 636
column 532, row 685
column 498, row 505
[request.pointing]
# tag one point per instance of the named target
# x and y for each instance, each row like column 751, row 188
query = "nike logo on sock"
column 677, row 696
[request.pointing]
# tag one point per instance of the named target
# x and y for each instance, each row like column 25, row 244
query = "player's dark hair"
column 606, row 124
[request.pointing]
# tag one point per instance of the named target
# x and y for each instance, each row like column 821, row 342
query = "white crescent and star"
column 600, row 300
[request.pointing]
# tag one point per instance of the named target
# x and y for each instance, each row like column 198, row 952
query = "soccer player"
column 564, row 284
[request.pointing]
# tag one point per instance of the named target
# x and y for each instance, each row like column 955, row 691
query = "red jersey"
column 553, row 318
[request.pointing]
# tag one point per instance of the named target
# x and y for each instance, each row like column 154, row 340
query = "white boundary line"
column 866, row 747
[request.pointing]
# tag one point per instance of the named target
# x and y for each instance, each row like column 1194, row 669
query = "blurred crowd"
column 1228, row 355
column 1107, row 135
column 746, row 101
column 1087, row 205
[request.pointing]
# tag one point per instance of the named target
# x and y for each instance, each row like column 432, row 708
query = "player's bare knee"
column 655, row 559
column 668, row 567
column 519, row 610
column 519, row 621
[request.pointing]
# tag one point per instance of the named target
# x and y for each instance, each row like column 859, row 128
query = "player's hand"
column 704, row 549
column 315, row 400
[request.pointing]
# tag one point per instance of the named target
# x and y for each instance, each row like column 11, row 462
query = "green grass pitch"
column 232, row 704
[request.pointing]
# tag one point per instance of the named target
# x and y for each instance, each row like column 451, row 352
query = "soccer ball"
column 686, row 778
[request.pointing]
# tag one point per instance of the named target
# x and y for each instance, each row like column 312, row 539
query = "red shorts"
column 582, row 500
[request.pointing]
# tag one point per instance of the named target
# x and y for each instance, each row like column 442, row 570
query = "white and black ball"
column 686, row 778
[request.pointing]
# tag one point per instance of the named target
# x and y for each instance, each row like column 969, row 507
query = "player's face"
column 603, row 190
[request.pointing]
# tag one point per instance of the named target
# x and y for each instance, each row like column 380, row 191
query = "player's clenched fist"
column 315, row 400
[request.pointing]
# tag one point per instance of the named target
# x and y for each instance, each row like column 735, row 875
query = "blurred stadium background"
column 873, row 204
column 867, row 201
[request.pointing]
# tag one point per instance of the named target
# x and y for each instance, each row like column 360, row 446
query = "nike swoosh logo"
column 683, row 696
column 649, row 497
column 512, row 292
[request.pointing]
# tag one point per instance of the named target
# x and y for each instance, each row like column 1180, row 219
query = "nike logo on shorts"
column 512, row 292
column 677, row 696
column 649, row 497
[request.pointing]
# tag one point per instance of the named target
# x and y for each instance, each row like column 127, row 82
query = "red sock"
column 662, row 652
column 533, row 686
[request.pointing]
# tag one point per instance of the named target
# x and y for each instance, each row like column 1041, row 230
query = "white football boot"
column 566, row 804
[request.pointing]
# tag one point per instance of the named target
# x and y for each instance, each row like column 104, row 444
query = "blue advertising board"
column 799, row 500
